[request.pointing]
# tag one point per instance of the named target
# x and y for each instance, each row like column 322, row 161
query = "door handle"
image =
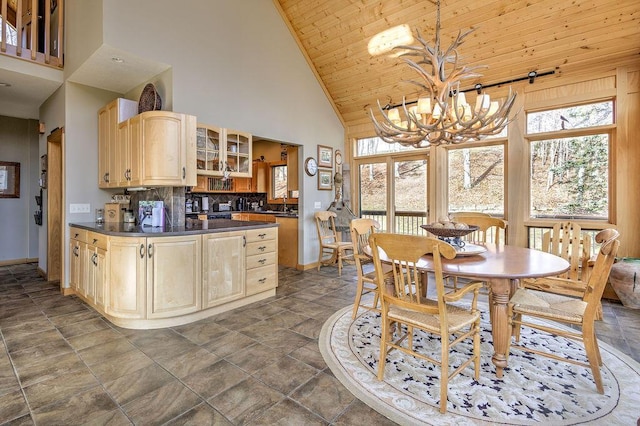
column 184, row 172
column 141, row 251
column 150, row 250
column 93, row 259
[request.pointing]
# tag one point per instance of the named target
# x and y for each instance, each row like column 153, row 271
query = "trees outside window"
column 569, row 162
column 476, row 179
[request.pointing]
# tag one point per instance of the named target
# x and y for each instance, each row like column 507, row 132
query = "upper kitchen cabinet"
column 108, row 119
column 292, row 169
column 154, row 148
column 223, row 151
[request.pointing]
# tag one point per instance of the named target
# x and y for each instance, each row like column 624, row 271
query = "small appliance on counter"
column 241, row 204
column 151, row 213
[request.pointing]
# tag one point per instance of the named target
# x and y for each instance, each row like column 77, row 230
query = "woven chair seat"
column 553, row 306
column 458, row 318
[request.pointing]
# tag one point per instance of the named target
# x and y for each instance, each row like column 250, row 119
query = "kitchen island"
column 144, row 277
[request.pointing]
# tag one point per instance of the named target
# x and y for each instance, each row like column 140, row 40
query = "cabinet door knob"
column 262, row 236
column 262, row 280
column 261, row 261
column 95, row 240
column 150, row 250
column 261, row 248
column 93, row 259
column 141, row 251
column 184, row 172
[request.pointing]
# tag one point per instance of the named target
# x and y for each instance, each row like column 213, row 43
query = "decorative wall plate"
column 149, row 99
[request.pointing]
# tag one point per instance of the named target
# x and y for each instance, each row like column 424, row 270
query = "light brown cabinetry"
column 154, row 277
column 173, row 276
column 157, row 148
column 221, row 150
column 162, row 281
column 77, row 253
column 260, row 177
column 288, row 231
column 109, row 117
column 287, row 253
column 223, row 278
column 261, row 260
column 127, row 266
column 292, row 169
column 87, row 265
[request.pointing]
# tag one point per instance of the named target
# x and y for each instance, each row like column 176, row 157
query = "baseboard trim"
column 17, row 261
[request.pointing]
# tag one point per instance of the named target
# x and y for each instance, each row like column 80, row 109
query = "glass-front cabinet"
column 223, row 152
column 208, row 149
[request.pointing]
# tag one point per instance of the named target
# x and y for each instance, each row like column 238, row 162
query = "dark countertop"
column 271, row 212
column 192, row 227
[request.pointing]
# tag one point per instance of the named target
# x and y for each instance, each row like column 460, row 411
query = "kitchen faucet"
column 284, row 202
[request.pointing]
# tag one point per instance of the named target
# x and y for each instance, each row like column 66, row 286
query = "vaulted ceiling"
column 512, row 37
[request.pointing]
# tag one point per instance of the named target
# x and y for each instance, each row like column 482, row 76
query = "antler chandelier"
column 441, row 114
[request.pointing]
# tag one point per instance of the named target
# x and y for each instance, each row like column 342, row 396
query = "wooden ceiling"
column 512, row 37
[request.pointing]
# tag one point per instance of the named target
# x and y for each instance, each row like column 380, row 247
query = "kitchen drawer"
column 259, row 260
column 261, row 279
column 97, row 240
column 261, row 247
column 78, row 234
column 261, row 234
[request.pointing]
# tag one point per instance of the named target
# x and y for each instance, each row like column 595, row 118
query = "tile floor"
column 61, row 363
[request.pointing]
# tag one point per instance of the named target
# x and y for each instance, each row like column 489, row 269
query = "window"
column 569, row 164
column 279, row 179
column 375, row 146
column 476, row 179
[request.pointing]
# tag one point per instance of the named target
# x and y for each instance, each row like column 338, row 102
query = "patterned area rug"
column 534, row 389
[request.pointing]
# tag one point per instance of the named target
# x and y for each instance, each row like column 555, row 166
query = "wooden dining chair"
column 566, row 240
column 332, row 250
column 407, row 308
column 489, row 231
column 554, row 305
column 367, row 282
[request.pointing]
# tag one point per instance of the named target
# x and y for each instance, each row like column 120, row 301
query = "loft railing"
column 33, row 30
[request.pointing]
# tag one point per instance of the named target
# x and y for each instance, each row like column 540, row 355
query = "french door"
column 394, row 191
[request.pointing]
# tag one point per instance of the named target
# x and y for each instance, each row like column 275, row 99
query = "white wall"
column 82, row 32
column 18, row 231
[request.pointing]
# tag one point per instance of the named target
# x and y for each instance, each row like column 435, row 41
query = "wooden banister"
column 28, row 32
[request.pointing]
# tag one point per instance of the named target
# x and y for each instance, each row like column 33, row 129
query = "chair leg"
column 356, row 303
column 593, row 355
column 444, row 373
column 476, row 349
column 383, row 348
column 320, row 258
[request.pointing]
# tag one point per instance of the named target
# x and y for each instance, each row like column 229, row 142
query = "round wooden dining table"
column 502, row 266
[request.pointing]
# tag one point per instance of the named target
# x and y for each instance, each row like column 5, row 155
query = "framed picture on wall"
column 325, row 156
column 325, row 179
column 9, row 179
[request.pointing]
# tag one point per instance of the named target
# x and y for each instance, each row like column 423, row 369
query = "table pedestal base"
column 499, row 295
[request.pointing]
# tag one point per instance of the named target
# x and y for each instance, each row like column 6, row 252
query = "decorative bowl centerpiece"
column 450, row 233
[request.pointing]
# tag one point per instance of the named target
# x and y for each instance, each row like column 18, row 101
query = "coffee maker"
column 241, row 204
